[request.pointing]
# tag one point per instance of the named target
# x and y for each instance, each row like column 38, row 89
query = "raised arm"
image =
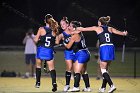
column 93, row 28
column 115, row 31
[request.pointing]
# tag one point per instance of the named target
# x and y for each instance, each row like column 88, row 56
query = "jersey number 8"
column 107, row 37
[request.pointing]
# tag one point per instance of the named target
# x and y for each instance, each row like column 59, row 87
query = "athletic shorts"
column 69, row 55
column 30, row 58
column 107, row 52
column 82, row 56
column 45, row 53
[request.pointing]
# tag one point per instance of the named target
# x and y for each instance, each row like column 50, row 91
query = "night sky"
column 124, row 16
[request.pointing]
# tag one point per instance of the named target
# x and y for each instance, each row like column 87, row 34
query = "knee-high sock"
column 104, row 83
column 38, row 74
column 108, row 79
column 68, row 77
column 77, row 77
column 86, row 80
column 53, row 76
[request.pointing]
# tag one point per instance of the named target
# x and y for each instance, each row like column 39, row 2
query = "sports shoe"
column 66, row 88
column 88, row 89
column 101, row 90
column 74, row 89
column 54, row 87
column 37, row 85
column 112, row 88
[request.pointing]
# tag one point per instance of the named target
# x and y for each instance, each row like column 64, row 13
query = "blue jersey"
column 82, row 55
column 68, row 53
column 45, row 45
column 107, row 49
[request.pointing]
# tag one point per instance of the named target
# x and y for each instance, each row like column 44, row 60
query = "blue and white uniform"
column 81, row 51
column 68, row 53
column 45, row 45
column 107, row 49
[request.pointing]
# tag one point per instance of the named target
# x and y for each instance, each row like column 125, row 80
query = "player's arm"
column 36, row 39
column 93, row 28
column 58, row 38
column 115, row 31
column 72, row 40
column 80, row 29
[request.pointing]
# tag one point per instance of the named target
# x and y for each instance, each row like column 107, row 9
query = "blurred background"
column 17, row 16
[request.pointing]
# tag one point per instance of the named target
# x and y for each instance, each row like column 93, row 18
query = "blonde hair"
column 52, row 23
column 104, row 20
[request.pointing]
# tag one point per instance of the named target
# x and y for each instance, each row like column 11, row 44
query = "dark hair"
column 76, row 24
column 104, row 20
column 65, row 19
column 30, row 31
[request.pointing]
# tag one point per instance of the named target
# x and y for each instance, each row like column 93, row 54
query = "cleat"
column 101, row 90
column 66, row 88
column 37, row 85
column 54, row 87
column 88, row 89
column 74, row 89
column 112, row 89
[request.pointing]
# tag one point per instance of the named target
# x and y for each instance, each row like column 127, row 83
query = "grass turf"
column 19, row 85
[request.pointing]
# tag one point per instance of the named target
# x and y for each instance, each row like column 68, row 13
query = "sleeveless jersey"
column 79, row 45
column 82, row 55
column 105, row 37
column 107, row 49
column 48, row 40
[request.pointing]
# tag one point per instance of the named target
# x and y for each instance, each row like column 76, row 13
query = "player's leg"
column 85, row 78
column 77, row 76
column 106, row 77
column 53, row 74
column 68, row 74
column 38, row 72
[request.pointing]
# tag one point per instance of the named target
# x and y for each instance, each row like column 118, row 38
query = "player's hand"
column 125, row 33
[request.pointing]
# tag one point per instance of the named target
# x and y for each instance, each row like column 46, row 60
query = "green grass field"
column 14, row 61
column 19, row 85
column 121, row 73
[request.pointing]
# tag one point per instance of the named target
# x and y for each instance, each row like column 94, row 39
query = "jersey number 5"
column 47, row 43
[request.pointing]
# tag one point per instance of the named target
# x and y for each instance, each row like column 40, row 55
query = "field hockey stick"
column 59, row 45
column 123, row 49
column 45, row 67
column 10, row 8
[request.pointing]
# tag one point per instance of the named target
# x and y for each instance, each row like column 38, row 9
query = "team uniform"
column 68, row 53
column 81, row 51
column 107, row 49
column 45, row 46
column 82, row 55
column 45, row 52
